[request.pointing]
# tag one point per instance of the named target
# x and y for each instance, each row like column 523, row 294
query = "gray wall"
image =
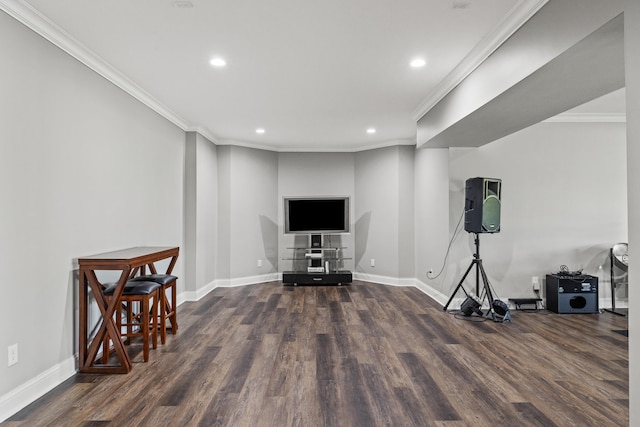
column 432, row 218
column 406, row 212
column 632, row 75
column 201, row 216
column 384, row 214
column 376, row 212
column 247, row 206
column 84, row 169
column 207, row 213
column 223, row 244
column 189, row 251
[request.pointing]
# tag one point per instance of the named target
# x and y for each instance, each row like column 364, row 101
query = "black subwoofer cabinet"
column 305, row 278
column 572, row 293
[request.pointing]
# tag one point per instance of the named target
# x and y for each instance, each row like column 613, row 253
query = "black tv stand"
column 304, row 278
column 322, row 264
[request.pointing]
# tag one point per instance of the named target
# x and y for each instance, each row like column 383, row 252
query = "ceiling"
column 315, row 75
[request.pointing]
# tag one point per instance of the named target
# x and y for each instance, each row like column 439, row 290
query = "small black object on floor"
column 624, row 332
column 518, row 302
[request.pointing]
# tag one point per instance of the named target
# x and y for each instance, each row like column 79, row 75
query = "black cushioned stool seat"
column 167, row 308
column 163, row 279
column 134, row 288
column 146, row 320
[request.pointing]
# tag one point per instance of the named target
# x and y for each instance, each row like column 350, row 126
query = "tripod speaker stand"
column 503, row 313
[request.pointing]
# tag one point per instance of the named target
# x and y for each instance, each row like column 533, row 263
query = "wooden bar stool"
column 141, row 322
column 167, row 307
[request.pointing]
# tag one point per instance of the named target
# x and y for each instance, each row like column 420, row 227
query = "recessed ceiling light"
column 218, row 62
column 371, row 131
column 183, row 4
column 260, row 131
column 460, row 5
column 418, row 62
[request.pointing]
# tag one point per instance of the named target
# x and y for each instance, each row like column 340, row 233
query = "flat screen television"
column 316, row 215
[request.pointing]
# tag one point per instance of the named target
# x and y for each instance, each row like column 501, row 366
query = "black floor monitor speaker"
column 575, row 293
column 482, row 205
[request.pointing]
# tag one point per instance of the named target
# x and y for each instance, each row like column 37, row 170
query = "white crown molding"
column 367, row 147
column 237, row 143
column 393, row 143
column 40, row 24
column 204, row 132
column 316, row 149
column 512, row 21
column 587, row 118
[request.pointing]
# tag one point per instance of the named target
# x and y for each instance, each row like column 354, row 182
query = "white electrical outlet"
column 373, row 262
column 12, row 355
column 535, row 283
column 259, row 263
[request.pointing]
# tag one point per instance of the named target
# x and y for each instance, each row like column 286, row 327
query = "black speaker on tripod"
column 482, row 205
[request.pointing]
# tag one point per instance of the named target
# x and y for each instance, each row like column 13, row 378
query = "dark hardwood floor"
column 358, row 355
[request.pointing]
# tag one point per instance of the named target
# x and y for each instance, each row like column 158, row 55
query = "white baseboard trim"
column 249, row 280
column 226, row 283
column 436, row 295
column 384, row 280
column 197, row 294
column 35, row 388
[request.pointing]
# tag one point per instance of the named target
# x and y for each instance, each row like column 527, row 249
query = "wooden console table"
column 129, row 262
